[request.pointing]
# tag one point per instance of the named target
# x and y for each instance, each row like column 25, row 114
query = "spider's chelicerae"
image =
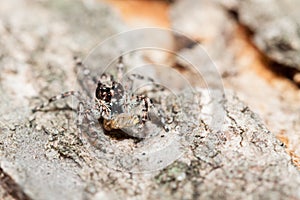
column 113, row 103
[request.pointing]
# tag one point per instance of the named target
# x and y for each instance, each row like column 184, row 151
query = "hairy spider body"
column 113, row 104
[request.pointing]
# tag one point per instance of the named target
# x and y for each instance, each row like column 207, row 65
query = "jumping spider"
column 112, row 105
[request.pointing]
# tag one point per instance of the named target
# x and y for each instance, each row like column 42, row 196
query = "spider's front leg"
column 148, row 107
column 85, row 78
column 56, row 98
column 84, row 119
column 88, row 123
column 120, row 69
column 155, row 87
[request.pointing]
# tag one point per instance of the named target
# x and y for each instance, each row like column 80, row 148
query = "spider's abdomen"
column 121, row 121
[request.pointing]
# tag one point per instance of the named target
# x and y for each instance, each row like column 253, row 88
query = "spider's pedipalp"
column 56, row 98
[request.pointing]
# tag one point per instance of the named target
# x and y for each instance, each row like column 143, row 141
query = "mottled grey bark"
column 43, row 157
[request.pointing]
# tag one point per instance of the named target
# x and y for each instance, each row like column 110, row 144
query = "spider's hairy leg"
column 85, row 116
column 81, row 68
column 80, row 111
column 80, row 118
column 163, row 120
column 147, row 104
column 156, row 87
column 56, row 98
column 86, row 124
column 85, row 78
column 120, row 69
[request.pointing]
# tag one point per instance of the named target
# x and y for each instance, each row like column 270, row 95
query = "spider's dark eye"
column 98, row 90
column 103, row 92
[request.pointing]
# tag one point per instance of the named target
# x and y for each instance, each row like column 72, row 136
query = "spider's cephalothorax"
column 111, row 93
column 112, row 104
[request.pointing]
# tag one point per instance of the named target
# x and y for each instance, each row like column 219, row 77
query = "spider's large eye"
column 103, row 92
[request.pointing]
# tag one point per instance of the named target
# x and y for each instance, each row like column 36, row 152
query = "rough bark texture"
column 243, row 68
column 42, row 156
